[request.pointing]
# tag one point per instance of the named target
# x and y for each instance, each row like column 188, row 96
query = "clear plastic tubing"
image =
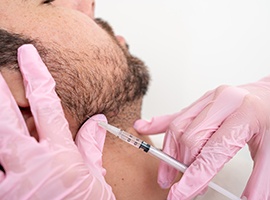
column 138, row 143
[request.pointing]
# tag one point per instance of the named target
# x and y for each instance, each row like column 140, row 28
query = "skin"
column 85, row 6
column 71, row 35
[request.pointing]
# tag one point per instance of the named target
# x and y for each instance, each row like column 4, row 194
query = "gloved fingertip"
column 38, row 82
column 164, row 184
column 91, row 130
column 141, row 125
column 92, row 123
column 243, row 198
column 22, row 50
column 156, row 125
column 99, row 117
column 26, row 53
column 162, row 181
column 166, row 175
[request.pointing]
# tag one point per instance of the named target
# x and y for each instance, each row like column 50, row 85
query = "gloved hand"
column 54, row 167
column 210, row 132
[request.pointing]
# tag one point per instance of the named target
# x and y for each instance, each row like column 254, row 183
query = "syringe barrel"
column 134, row 141
column 138, row 143
column 167, row 159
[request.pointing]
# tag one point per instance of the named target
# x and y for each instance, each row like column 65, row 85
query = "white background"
column 191, row 47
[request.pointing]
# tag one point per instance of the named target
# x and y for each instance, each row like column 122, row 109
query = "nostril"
column 93, row 6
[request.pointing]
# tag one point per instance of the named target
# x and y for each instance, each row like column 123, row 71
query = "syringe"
column 140, row 144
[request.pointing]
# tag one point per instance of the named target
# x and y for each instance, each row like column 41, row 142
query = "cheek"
column 15, row 84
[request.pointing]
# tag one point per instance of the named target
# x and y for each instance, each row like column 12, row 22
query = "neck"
column 124, row 119
column 129, row 169
column 128, row 114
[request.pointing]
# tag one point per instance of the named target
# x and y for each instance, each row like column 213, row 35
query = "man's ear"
column 15, row 83
column 122, row 41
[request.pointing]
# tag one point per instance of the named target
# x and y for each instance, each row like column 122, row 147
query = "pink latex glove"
column 54, row 167
column 210, row 132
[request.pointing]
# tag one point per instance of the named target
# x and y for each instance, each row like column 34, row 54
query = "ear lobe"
column 15, row 83
column 122, row 41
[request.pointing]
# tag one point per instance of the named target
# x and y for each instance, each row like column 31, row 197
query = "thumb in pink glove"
column 210, row 132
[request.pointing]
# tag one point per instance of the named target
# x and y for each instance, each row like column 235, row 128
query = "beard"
column 94, row 91
column 137, row 76
column 90, row 89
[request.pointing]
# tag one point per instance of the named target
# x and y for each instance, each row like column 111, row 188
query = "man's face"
column 85, row 6
column 90, row 69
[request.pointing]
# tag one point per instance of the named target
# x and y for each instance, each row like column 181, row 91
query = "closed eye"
column 48, row 1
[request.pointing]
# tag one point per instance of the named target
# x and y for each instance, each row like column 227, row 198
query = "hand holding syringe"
column 138, row 143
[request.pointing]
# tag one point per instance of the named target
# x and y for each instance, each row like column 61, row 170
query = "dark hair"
column 9, row 44
column 86, row 93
